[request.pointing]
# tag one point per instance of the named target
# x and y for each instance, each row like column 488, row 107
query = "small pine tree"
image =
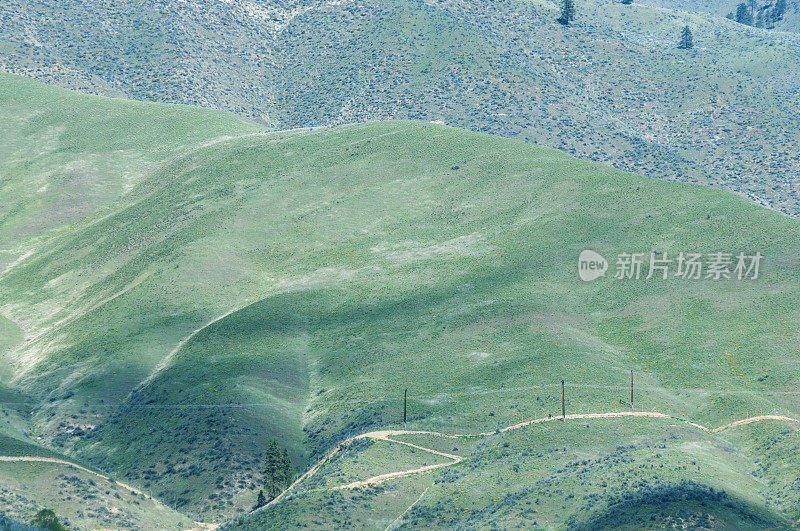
column 288, row 472
column 261, row 501
column 47, row 519
column 274, row 474
column 627, row 2
column 567, row 13
column 686, row 41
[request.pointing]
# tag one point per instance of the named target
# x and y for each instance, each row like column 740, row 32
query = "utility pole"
column 631, row 390
column 405, row 408
column 563, row 406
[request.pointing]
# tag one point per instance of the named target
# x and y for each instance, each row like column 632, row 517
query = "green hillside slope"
column 611, row 88
column 290, row 285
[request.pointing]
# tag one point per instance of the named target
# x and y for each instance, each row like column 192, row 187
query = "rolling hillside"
column 222, row 286
column 612, row 88
column 67, row 159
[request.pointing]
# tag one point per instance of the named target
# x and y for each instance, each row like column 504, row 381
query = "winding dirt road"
column 386, row 435
column 382, row 436
column 750, row 420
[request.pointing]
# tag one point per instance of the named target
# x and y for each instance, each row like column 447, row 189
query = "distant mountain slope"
column 249, row 285
column 613, row 88
column 789, row 21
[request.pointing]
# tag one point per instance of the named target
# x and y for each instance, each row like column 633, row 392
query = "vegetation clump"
column 759, row 15
column 681, row 504
column 47, row 519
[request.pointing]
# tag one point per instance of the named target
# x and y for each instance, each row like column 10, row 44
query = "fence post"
column 405, row 408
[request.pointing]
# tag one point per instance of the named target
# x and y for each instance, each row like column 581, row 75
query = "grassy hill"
column 226, row 286
column 612, row 88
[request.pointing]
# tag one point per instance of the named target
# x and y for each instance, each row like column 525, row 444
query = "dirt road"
column 386, row 435
column 35, row 459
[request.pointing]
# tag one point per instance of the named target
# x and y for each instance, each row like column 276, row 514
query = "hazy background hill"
column 179, row 287
column 613, row 88
column 788, row 21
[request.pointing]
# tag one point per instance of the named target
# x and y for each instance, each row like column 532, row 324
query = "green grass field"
column 226, row 286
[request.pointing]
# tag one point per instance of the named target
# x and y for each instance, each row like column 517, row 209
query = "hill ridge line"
column 165, row 361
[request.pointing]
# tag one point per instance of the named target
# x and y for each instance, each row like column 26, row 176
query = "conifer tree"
column 567, row 13
column 686, row 41
column 288, row 473
column 275, row 473
column 261, row 501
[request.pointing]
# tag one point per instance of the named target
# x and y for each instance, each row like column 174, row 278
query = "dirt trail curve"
column 35, row 459
column 750, row 420
column 383, row 436
column 386, row 435
column 200, row 526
